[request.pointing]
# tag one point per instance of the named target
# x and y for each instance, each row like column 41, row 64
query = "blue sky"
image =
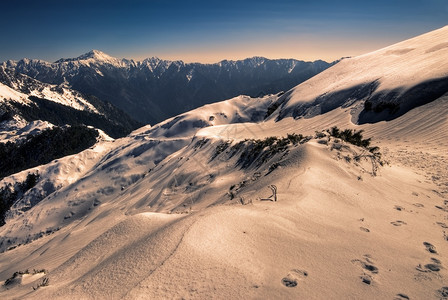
column 209, row 31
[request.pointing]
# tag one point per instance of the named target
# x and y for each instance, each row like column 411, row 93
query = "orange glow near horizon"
column 308, row 49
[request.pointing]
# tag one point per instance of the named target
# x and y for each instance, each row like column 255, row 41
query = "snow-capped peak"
column 93, row 56
column 97, row 55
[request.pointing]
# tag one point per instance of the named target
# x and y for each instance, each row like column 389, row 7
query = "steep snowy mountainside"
column 55, row 175
column 17, row 129
column 153, row 90
column 60, row 94
column 380, row 85
column 115, row 165
column 7, row 93
column 33, row 100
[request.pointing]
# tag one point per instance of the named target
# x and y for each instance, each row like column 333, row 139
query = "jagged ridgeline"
column 153, row 90
column 113, row 121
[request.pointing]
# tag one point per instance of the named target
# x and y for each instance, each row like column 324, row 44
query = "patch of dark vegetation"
column 221, row 148
column 41, row 149
column 44, row 282
column 353, row 137
column 14, row 278
column 11, row 243
column 390, row 104
column 201, row 143
column 114, row 122
column 8, row 194
column 262, row 150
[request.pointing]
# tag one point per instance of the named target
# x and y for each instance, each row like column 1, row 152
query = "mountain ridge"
column 386, row 83
column 33, row 100
column 153, row 89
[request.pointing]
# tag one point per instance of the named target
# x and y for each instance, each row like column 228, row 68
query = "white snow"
column 236, row 110
column 151, row 216
column 293, row 65
column 402, row 65
column 57, row 93
column 67, row 97
column 18, row 129
column 7, row 93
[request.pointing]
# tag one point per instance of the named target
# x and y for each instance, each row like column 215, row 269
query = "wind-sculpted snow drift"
column 182, row 210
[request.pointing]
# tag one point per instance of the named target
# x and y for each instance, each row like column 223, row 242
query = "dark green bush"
column 352, row 136
column 263, row 150
column 8, row 195
column 113, row 121
column 294, row 138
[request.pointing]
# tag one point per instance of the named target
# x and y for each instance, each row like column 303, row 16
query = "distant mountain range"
column 40, row 122
column 33, row 100
column 153, row 90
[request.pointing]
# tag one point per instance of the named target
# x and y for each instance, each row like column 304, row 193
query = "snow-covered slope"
column 120, row 163
column 383, row 84
column 7, row 93
column 19, row 129
column 240, row 109
column 18, row 87
column 183, row 211
column 26, row 98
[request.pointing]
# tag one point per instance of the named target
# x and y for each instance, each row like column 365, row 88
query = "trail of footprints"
column 431, row 269
column 435, row 265
column 368, row 267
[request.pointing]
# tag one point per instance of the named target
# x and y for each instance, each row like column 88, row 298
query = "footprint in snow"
column 399, row 208
column 293, row 277
column 442, row 208
column 434, row 266
column 369, row 269
column 443, row 225
column 401, row 296
column 443, row 292
column 430, row 247
column 398, row 223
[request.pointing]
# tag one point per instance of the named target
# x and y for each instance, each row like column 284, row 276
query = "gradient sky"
column 210, row 31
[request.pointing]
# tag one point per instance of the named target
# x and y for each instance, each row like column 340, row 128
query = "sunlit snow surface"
column 161, row 214
column 61, row 94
